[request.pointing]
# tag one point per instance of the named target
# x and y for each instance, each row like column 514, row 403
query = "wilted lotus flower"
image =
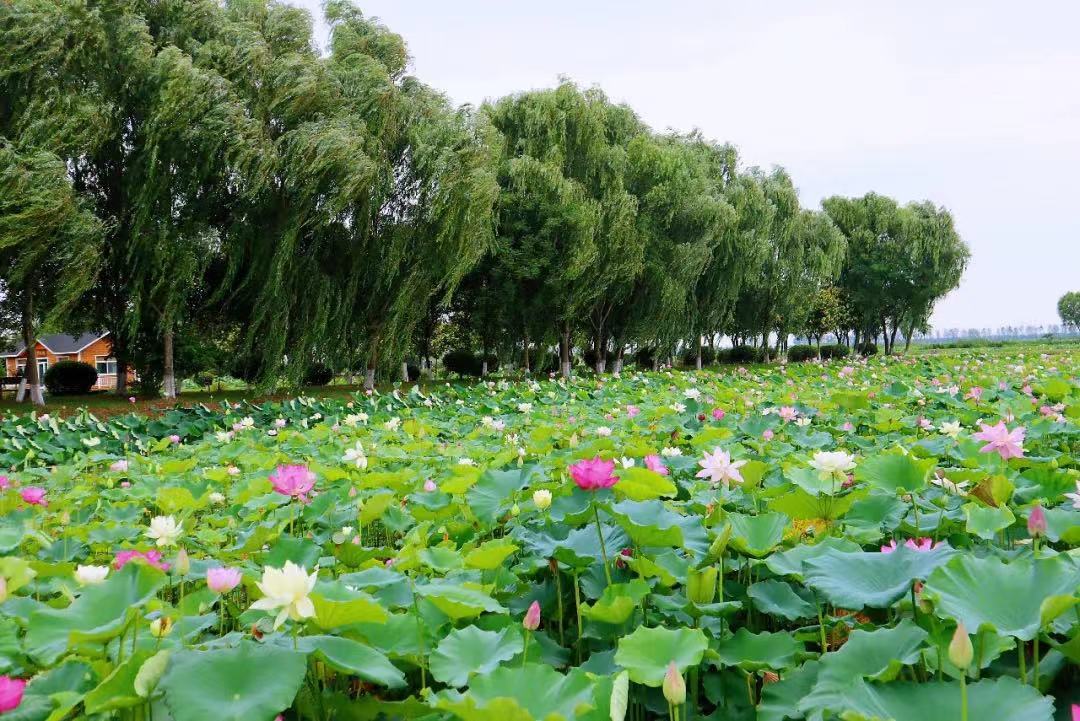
column 295, row 481
column 592, row 475
column 222, row 580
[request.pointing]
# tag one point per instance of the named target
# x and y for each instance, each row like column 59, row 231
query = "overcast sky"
column 974, row 105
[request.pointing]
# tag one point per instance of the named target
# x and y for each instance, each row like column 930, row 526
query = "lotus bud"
column 961, row 652
column 542, row 499
column 573, row 440
column 161, row 626
column 701, row 584
column 674, row 686
column 183, row 563
column 719, row 544
column 1037, row 522
column 532, row 617
column 515, row 510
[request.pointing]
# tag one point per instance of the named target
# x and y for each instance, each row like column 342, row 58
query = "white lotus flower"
column 466, row 462
column 719, row 468
column 626, row 462
column 91, row 575
column 802, row 421
column 164, row 530
column 668, row 451
column 525, row 407
column 692, row 393
column 542, row 499
column 951, row 428
column 356, row 456
column 959, row 489
column 1075, row 497
column 217, row 498
column 392, row 424
column 603, row 431
column 833, row 464
column 287, row 588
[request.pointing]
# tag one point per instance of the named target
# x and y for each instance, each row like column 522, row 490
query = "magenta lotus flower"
column 11, row 693
column 4, row 483
column 532, row 617
column 222, row 580
column 295, row 481
column 34, row 496
column 654, row 464
column 592, row 475
column 632, row 410
column 999, row 439
column 718, row 414
column 150, row 558
column 1076, row 712
column 1037, row 522
column 915, row 544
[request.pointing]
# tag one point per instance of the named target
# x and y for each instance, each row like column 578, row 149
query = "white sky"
column 974, row 105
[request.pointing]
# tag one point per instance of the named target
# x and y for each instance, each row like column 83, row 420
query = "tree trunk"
column 169, row 372
column 564, row 350
column 525, row 356
column 483, row 367
column 617, row 366
column 121, row 376
column 33, row 381
column 892, row 337
column 404, row 371
column 765, row 345
column 697, row 360
column 369, row 378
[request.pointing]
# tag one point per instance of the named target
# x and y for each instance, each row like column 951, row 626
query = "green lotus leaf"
column 337, row 605
column 617, row 603
column 1006, row 597
column 642, row 484
column 986, row 521
column 459, row 602
column 757, row 651
column 232, row 684
column 856, row 580
column 777, row 598
column 490, row 555
column 790, row 562
column 757, row 535
column 494, row 492
column 441, row 559
column 895, row 472
column 353, row 657
column 117, row 690
column 521, row 694
column 646, row 652
column 470, row 650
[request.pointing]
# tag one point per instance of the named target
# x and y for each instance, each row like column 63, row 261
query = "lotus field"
column 885, row 539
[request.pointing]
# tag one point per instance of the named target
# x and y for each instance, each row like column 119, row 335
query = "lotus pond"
column 889, row 539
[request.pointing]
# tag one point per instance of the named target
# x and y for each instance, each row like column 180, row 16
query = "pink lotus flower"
column 119, row 466
column 1076, row 712
column 1037, row 522
column 592, row 475
column 788, row 413
column 131, row 399
column 150, row 558
column 222, row 580
column 532, row 617
column 718, row 414
column 429, row 486
column 11, row 693
column 34, row 496
column 4, row 483
column 915, row 544
column 848, row 426
column 654, row 464
column 999, row 439
column 767, row 434
column 719, row 468
column 174, row 438
column 975, row 393
column 846, row 371
column 295, row 481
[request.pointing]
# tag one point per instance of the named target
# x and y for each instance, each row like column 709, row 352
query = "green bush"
column 800, row 353
column 318, row 375
column 69, row 378
column 868, row 348
column 462, row 362
column 835, row 350
column 741, row 354
column 689, row 357
column 643, row 358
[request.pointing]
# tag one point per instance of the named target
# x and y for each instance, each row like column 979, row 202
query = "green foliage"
column 70, row 378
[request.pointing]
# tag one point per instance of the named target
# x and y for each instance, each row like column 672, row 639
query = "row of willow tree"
column 199, row 179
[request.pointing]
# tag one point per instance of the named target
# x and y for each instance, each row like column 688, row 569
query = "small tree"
column 1069, row 310
column 826, row 314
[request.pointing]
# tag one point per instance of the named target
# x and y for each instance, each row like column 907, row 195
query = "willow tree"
column 48, row 244
column 804, row 252
column 567, row 240
column 899, row 261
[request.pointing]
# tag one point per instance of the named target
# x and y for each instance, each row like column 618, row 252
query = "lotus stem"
column 603, row 549
column 963, row 697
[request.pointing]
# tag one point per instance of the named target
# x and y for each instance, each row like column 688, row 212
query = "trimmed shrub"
column 800, row 353
column 689, row 357
column 643, row 358
column 743, row 354
column 835, row 350
column 70, row 378
column 868, row 348
column 318, row 375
